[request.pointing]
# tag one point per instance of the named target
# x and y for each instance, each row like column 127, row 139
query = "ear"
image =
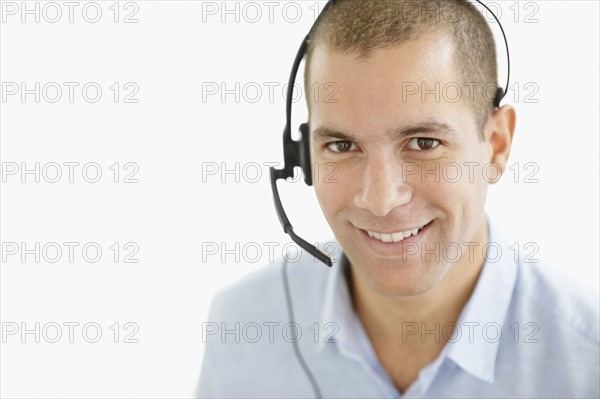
column 499, row 135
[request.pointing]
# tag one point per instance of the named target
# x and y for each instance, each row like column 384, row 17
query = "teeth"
column 397, row 237
column 394, row 237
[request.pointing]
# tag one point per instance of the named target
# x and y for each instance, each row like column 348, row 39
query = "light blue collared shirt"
column 526, row 331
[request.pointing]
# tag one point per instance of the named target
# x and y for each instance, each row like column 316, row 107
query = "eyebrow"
column 435, row 128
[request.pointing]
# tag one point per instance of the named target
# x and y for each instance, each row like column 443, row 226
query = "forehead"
column 431, row 53
column 391, row 87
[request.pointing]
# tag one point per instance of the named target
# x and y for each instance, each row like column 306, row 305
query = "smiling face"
column 396, row 160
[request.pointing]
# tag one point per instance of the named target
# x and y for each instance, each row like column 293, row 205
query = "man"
column 427, row 299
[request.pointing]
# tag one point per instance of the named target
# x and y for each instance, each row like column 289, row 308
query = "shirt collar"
column 485, row 311
column 338, row 309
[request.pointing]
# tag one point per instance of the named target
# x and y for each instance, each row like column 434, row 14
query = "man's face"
column 388, row 162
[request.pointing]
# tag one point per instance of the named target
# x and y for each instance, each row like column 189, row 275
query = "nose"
column 383, row 186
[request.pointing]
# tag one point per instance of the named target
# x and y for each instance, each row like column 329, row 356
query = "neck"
column 385, row 316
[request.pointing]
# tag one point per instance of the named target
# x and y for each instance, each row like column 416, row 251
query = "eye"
column 339, row 146
column 423, row 143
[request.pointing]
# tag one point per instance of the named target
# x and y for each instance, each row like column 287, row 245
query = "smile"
column 395, row 237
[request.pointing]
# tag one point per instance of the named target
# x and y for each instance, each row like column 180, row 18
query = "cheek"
column 456, row 187
column 333, row 191
column 328, row 195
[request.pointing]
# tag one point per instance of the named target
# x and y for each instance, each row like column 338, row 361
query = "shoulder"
column 558, row 296
column 248, row 290
column 552, row 345
column 247, row 335
column 262, row 292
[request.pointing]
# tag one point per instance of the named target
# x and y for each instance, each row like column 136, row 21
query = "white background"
column 172, row 134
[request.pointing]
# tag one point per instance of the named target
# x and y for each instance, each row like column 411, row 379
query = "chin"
column 391, row 279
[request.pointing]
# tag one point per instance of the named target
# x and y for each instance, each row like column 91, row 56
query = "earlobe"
column 503, row 128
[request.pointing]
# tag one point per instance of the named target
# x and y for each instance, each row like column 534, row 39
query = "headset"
column 297, row 153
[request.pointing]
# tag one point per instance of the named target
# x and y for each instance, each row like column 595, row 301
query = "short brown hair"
column 360, row 26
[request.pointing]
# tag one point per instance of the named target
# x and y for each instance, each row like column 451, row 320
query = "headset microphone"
column 297, row 153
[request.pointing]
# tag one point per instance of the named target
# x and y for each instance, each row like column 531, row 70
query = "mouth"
column 395, row 237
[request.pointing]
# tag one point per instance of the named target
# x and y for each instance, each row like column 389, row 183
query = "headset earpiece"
column 297, row 153
column 498, row 97
column 304, row 156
